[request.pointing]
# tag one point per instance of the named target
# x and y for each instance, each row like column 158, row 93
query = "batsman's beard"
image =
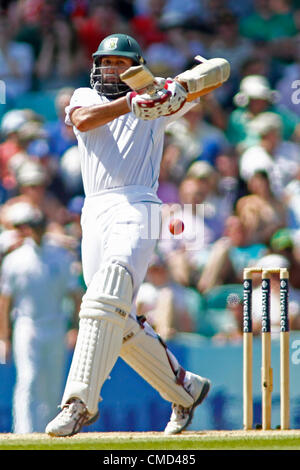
column 108, row 83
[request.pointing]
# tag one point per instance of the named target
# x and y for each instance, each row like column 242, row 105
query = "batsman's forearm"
column 90, row 117
column 205, row 91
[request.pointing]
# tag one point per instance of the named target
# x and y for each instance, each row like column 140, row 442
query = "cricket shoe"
column 181, row 417
column 73, row 416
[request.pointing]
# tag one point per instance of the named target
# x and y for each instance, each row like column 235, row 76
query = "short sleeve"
column 81, row 97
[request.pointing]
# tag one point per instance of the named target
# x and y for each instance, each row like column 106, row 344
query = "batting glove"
column 164, row 102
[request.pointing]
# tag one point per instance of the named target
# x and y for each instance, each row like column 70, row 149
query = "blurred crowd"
column 230, row 168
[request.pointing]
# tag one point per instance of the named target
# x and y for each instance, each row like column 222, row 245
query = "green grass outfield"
column 201, row 440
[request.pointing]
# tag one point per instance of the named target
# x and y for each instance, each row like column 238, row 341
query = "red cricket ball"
column 176, row 226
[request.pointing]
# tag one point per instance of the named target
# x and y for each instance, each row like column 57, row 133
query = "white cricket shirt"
column 37, row 278
column 125, row 152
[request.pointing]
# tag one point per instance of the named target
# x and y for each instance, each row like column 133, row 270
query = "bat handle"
column 199, row 58
column 150, row 89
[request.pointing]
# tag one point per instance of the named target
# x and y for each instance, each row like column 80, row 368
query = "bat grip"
column 150, row 89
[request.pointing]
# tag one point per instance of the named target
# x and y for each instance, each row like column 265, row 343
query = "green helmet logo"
column 111, row 43
column 121, row 45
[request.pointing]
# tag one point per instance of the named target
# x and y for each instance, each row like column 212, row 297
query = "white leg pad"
column 144, row 352
column 103, row 313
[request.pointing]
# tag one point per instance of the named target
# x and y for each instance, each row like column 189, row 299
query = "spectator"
column 73, row 225
column 256, row 97
column 212, row 9
column 285, row 242
column 11, row 145
column 233, row 330
column 229, row 44
column 283, row 29
column 169, row 57
column 29, row 20
column 231, row 186
column 19, row 129
column 261, row 211
column 39, row 150
column 291, row 198
column 288, row 84
column 256, row 65
column 168, row 191
column 16, row 63
column 193, row 137
column 33, row 272
column 217, row 207
column 32, row 183
column 279, row 158
column 163, row 302
column 146, row 27
column 257, row 25
column 272, row 26
column 103, row 19
column 60, row 136
column 200, row 211
column 28, row 141
column 182, row 145
column 229, row 255
column 189, row 7
column 61, row 61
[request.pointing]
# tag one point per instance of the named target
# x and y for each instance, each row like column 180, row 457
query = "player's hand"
column 146, row 106
column 165, row 101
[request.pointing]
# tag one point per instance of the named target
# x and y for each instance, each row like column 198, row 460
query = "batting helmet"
column 121, row 45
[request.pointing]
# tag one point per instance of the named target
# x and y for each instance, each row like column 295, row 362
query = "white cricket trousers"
column 39, row 355
column 118, row 227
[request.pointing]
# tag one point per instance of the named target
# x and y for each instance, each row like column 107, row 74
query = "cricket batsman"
column 119, row 125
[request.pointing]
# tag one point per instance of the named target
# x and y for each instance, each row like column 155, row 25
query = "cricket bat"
column 140, row 79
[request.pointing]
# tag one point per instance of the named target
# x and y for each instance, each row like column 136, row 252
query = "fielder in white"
column 120, row 136
column 35, row 278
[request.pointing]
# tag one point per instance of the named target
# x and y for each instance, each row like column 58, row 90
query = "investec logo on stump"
column 247, row 320
column 265, row 306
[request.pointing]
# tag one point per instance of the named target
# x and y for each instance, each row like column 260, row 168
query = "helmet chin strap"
column 107, row 84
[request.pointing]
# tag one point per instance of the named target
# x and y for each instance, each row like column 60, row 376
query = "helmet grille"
column 108, row 85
